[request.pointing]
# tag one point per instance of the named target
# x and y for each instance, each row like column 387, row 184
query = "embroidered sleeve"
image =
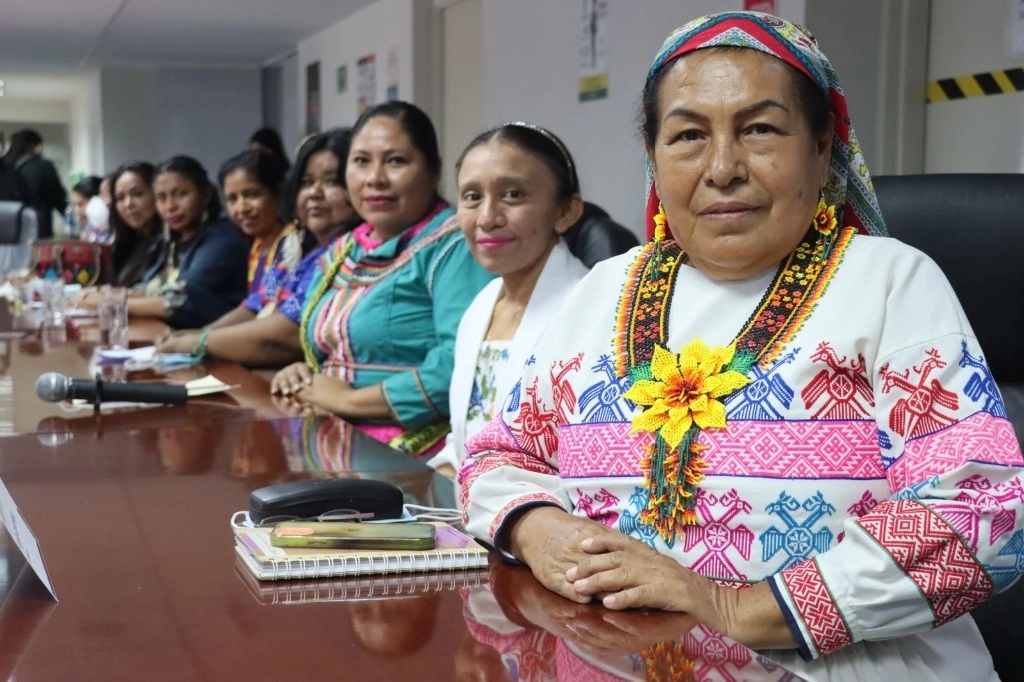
column 512, row 462
column 420, row 396
column 952, row 533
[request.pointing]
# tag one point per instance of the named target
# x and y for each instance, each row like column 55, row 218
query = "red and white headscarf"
column 849, row 183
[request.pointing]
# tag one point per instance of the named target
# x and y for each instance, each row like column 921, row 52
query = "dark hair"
column 265, row 168
column 540, row 142
column 89, row 186
column 414, row 122
column 813, row 101
column 125, row 238
column 22, row 143
column 336, row 141
column 270, row 139
column 194, row 172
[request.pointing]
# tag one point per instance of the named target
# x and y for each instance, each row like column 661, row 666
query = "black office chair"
column 972, row 225
column 595, row 236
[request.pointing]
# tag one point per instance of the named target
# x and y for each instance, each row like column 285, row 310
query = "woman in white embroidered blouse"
column 518, row 193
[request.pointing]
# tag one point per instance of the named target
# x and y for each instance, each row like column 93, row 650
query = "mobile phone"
column 349, row 535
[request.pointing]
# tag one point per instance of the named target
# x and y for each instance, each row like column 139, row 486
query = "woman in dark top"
column 200, row 273
column 46, row 192
column 134, row 222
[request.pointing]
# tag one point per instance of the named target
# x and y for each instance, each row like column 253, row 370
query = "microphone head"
column 52, row 387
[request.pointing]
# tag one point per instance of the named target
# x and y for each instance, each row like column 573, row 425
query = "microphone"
column 53, row 387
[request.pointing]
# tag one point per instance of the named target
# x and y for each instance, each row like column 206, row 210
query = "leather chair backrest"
column 972, row 225
column 18, row 228
column 16, row 220
column 596, row 236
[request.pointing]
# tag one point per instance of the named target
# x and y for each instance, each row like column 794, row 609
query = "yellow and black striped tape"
column 978, row 85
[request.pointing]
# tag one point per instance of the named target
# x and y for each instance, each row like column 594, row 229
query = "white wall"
column 982, row 134
column 377, row 29
column 42, row 111
column 530, row 73
column 130, row 124
column 883, row 72
column 153, row 113
column 87, row 127
column 207, row 113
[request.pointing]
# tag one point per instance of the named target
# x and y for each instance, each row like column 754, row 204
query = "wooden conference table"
column 131, row 512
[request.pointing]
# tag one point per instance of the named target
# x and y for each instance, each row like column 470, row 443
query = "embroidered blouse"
column 270, row 268
column 391, row 313
column 868, row 470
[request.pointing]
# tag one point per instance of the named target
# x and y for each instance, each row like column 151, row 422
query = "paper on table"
column 143, row 354
column 207, row 386
column 80, row 313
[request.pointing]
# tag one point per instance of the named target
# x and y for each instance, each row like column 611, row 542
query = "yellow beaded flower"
column 685, row 391
column 825, row 217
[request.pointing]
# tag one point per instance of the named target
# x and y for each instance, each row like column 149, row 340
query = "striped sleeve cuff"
column 501, row 528
column 810, row 609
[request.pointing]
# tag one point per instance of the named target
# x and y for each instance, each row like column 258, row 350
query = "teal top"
column 392, row 311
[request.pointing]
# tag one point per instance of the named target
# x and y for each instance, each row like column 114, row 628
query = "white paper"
column 23, row 537
column 206, row 386
column 143, row 354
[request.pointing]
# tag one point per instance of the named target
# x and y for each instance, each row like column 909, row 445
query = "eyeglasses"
column 333, row 515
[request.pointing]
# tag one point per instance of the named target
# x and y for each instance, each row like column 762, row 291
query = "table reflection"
column 279, row 450
column 538, row 635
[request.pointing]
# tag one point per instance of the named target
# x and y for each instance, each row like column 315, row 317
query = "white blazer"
column 560, row 274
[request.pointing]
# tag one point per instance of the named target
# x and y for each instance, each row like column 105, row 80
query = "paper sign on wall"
column 392, row 86
column 366, row 74
column 593, row 57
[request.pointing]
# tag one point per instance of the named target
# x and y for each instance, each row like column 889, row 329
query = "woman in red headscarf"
column 708, row 412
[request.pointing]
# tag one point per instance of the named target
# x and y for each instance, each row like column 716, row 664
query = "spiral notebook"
column 454, row 550
column 358, row 588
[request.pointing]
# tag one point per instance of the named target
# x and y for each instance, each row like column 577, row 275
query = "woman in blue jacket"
column 201, row 273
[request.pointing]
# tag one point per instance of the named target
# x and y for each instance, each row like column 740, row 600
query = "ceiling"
column 66, row 37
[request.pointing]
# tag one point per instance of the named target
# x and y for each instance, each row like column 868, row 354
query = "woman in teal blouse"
column 379, row 323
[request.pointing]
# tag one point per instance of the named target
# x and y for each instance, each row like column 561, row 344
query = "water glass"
column 53, row 301
column 113, row 318
column 23, row 293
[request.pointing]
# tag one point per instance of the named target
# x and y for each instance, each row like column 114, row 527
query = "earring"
column 824, row 216
column 660, row 224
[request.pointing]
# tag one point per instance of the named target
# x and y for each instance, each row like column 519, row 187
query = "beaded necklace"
column 683, row 393
column 305, row 335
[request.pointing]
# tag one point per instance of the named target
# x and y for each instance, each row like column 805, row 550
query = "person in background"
column 317, row 189
column 95, row 221
column 253, row 187
column 705, row 414
column 518, row 193
column 97, row 213
column 201, row 272
column 46, row 191
column 268, row 140
column 379, row 322
column 134, row 226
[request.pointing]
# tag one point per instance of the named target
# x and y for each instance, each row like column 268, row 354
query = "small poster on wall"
column 313, row 118
column 392, row 87
column 342, row 79
column 366, row 75
column 593, row 58
column 766, row 6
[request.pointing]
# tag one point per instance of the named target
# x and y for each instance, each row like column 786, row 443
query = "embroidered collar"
column 683, row 393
